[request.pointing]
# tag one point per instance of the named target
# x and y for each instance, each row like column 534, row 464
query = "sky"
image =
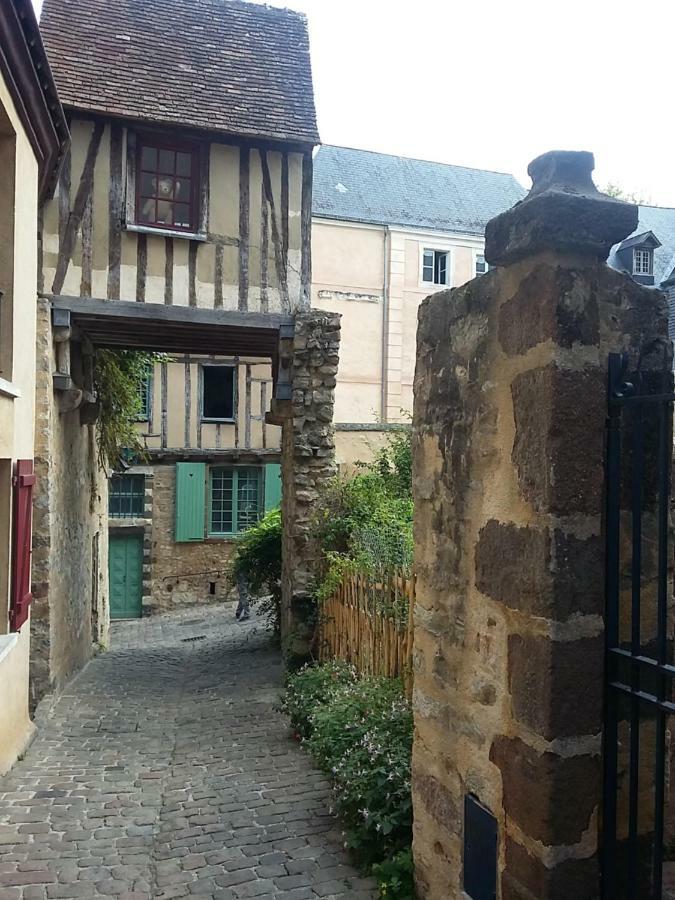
column 493, row 84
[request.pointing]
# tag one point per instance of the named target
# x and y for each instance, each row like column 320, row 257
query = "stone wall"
column 510, row 407
column 308, row 460
column 70, row 613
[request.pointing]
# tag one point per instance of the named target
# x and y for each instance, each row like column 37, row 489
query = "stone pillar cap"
column 563, row 212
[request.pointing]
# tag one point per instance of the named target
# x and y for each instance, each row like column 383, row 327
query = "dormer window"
column 167, row 184
column 643, row 262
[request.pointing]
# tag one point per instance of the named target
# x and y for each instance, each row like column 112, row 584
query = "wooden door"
column 125, row 564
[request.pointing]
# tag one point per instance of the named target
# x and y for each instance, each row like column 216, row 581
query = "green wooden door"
column 125, row 564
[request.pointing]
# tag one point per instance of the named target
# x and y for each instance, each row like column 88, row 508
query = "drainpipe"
column 385, row 324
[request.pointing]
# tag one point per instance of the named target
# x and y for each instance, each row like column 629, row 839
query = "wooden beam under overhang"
column 119, row 324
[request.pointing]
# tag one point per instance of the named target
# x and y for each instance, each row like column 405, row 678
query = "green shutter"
column 272, row 486
column 190, row 506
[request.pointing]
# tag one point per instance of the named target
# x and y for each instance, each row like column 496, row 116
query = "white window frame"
column 640, row 253
column 476, row 254
column 445, row 251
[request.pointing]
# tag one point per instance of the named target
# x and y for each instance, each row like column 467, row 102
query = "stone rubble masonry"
column 308, row 461
column 510, row 406
column 70, row 613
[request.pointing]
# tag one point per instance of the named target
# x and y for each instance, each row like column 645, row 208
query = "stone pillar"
column 510, row 408
column 308, row 460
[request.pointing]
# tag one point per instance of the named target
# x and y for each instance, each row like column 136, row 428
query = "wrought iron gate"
column 638, row 668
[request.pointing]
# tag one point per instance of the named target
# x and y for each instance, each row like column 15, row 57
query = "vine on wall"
column 119, row 380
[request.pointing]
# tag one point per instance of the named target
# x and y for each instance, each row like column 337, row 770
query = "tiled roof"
column 220, row 65
column 661, row 221
column 362, row 186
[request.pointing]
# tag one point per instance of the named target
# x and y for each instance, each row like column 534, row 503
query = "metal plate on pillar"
column 480, row 851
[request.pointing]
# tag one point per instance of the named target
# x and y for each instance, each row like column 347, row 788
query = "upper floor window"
column 481, row 264
column 643, row 262
column 435, row 266
column 144, row 394
column 167, row 186
column 218, row 393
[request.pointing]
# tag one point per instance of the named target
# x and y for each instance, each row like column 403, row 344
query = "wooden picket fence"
column 368, row 622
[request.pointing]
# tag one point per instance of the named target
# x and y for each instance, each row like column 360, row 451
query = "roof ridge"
column 434, row 162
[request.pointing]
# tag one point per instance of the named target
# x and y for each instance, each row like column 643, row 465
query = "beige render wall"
column 18, row 268
column 413, row 290
column 348, row 277
column 348, row 265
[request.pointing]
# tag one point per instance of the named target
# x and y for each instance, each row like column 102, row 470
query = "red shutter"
column 22, row 514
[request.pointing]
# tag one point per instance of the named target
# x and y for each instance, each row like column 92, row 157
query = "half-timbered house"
column 181, row 223
column 33, row 136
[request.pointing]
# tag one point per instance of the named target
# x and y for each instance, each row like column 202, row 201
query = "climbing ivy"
column 119, row 377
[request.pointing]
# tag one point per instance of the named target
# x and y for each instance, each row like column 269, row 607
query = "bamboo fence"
column 368, row 622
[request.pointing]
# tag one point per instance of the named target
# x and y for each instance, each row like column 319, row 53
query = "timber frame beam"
column 116, row 324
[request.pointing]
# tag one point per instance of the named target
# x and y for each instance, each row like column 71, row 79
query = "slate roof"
column 220, row 65
column 661, row 221
column 363, row 186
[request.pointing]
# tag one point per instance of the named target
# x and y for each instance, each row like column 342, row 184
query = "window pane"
column 167, row 161
column 165, row 188
column 148, row 211
column 182, row 191
column 144, row 412
column 440, row 268
column 164, row 212
column 182, row 215
column 481, row 265
column 149, row 158
column 183, row 163
column 148, row 185
column 248, row 498
column 218, row 392
column 221, row 501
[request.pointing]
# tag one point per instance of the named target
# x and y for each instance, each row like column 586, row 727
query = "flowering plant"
column 360, row 730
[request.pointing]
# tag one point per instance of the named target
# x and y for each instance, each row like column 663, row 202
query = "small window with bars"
column 235, row 499
column 435, row 266
column 642, row 262
column 167, row 186
column 126, row 496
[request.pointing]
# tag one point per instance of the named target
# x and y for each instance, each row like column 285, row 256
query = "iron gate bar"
column 622, row 393
column 612, row 573
column 646, row 661
column 662, row 647
column 635, row 635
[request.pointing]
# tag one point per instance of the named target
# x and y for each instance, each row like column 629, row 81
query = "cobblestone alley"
column 166, row 771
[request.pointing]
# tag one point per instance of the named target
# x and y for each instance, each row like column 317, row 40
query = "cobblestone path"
column 165, row 771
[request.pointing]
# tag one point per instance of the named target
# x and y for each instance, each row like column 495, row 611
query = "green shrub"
column 310, row 688
column 360, row 731
column 395, row 877
column 364, row 522
column 257, row 558
column 348, row 714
